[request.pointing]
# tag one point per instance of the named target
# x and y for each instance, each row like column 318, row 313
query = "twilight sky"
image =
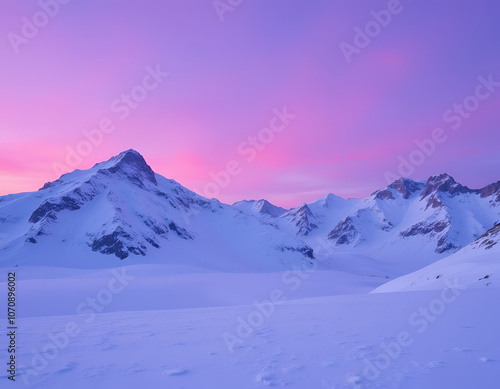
column 357, row 111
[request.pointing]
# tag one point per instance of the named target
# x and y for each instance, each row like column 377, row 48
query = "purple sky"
column 353, row 120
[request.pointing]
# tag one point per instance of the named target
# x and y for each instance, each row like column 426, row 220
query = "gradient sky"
column 354, row 120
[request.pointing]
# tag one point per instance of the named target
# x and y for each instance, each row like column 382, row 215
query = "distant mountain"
column 439, row 213
column 412, row 223
column 121, row 209
column 262, row 208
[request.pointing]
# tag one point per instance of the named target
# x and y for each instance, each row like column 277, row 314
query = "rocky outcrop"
column 303, row 219
column 444, row 183
column 119, row 243
column 344, row 233
column 50, row 208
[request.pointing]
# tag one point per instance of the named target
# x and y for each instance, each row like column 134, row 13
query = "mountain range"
column 121, row 210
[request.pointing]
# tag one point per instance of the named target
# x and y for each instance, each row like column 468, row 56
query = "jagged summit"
column 261, row 207
column 491, row 190
column 405, row 187
column 444, row 183
column 266, row 207
column 130, row 164
column 441, row 183
column 303, row 218
column 130, row 157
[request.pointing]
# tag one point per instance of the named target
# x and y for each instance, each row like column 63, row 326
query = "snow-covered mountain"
column 261, row 208
column 476, row 265
column 121, row 208
column 417, row 222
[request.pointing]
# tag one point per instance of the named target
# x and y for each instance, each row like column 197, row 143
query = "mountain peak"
column 443, row 183
column 303, row 218
column 130, row 164
column 265, row 207
column 491, row 190
column 130, row 157
column 331, row 198
column 261, row 206
column 404, row 186
column 304, row 208
column 129, row 152
column 444, row 177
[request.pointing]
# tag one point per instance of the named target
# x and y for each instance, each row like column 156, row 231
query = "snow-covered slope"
column 122, row 209
column 476, row 265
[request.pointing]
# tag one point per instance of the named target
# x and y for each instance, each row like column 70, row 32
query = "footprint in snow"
column 70, row 366
column 354, row 381
column 109, row 346
column 263, row 332
column 102, row 340
column 386, row 338
column 175, row 372
column 364, row 348
column 135, row 367
column 358, row 353
column 268, row 378
column 332, row 363
column 436, row 364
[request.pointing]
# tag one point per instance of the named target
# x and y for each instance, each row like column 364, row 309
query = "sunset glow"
column 353, row 121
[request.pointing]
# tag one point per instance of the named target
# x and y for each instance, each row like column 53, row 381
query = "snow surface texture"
column 126, row 279
column 358, row 340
